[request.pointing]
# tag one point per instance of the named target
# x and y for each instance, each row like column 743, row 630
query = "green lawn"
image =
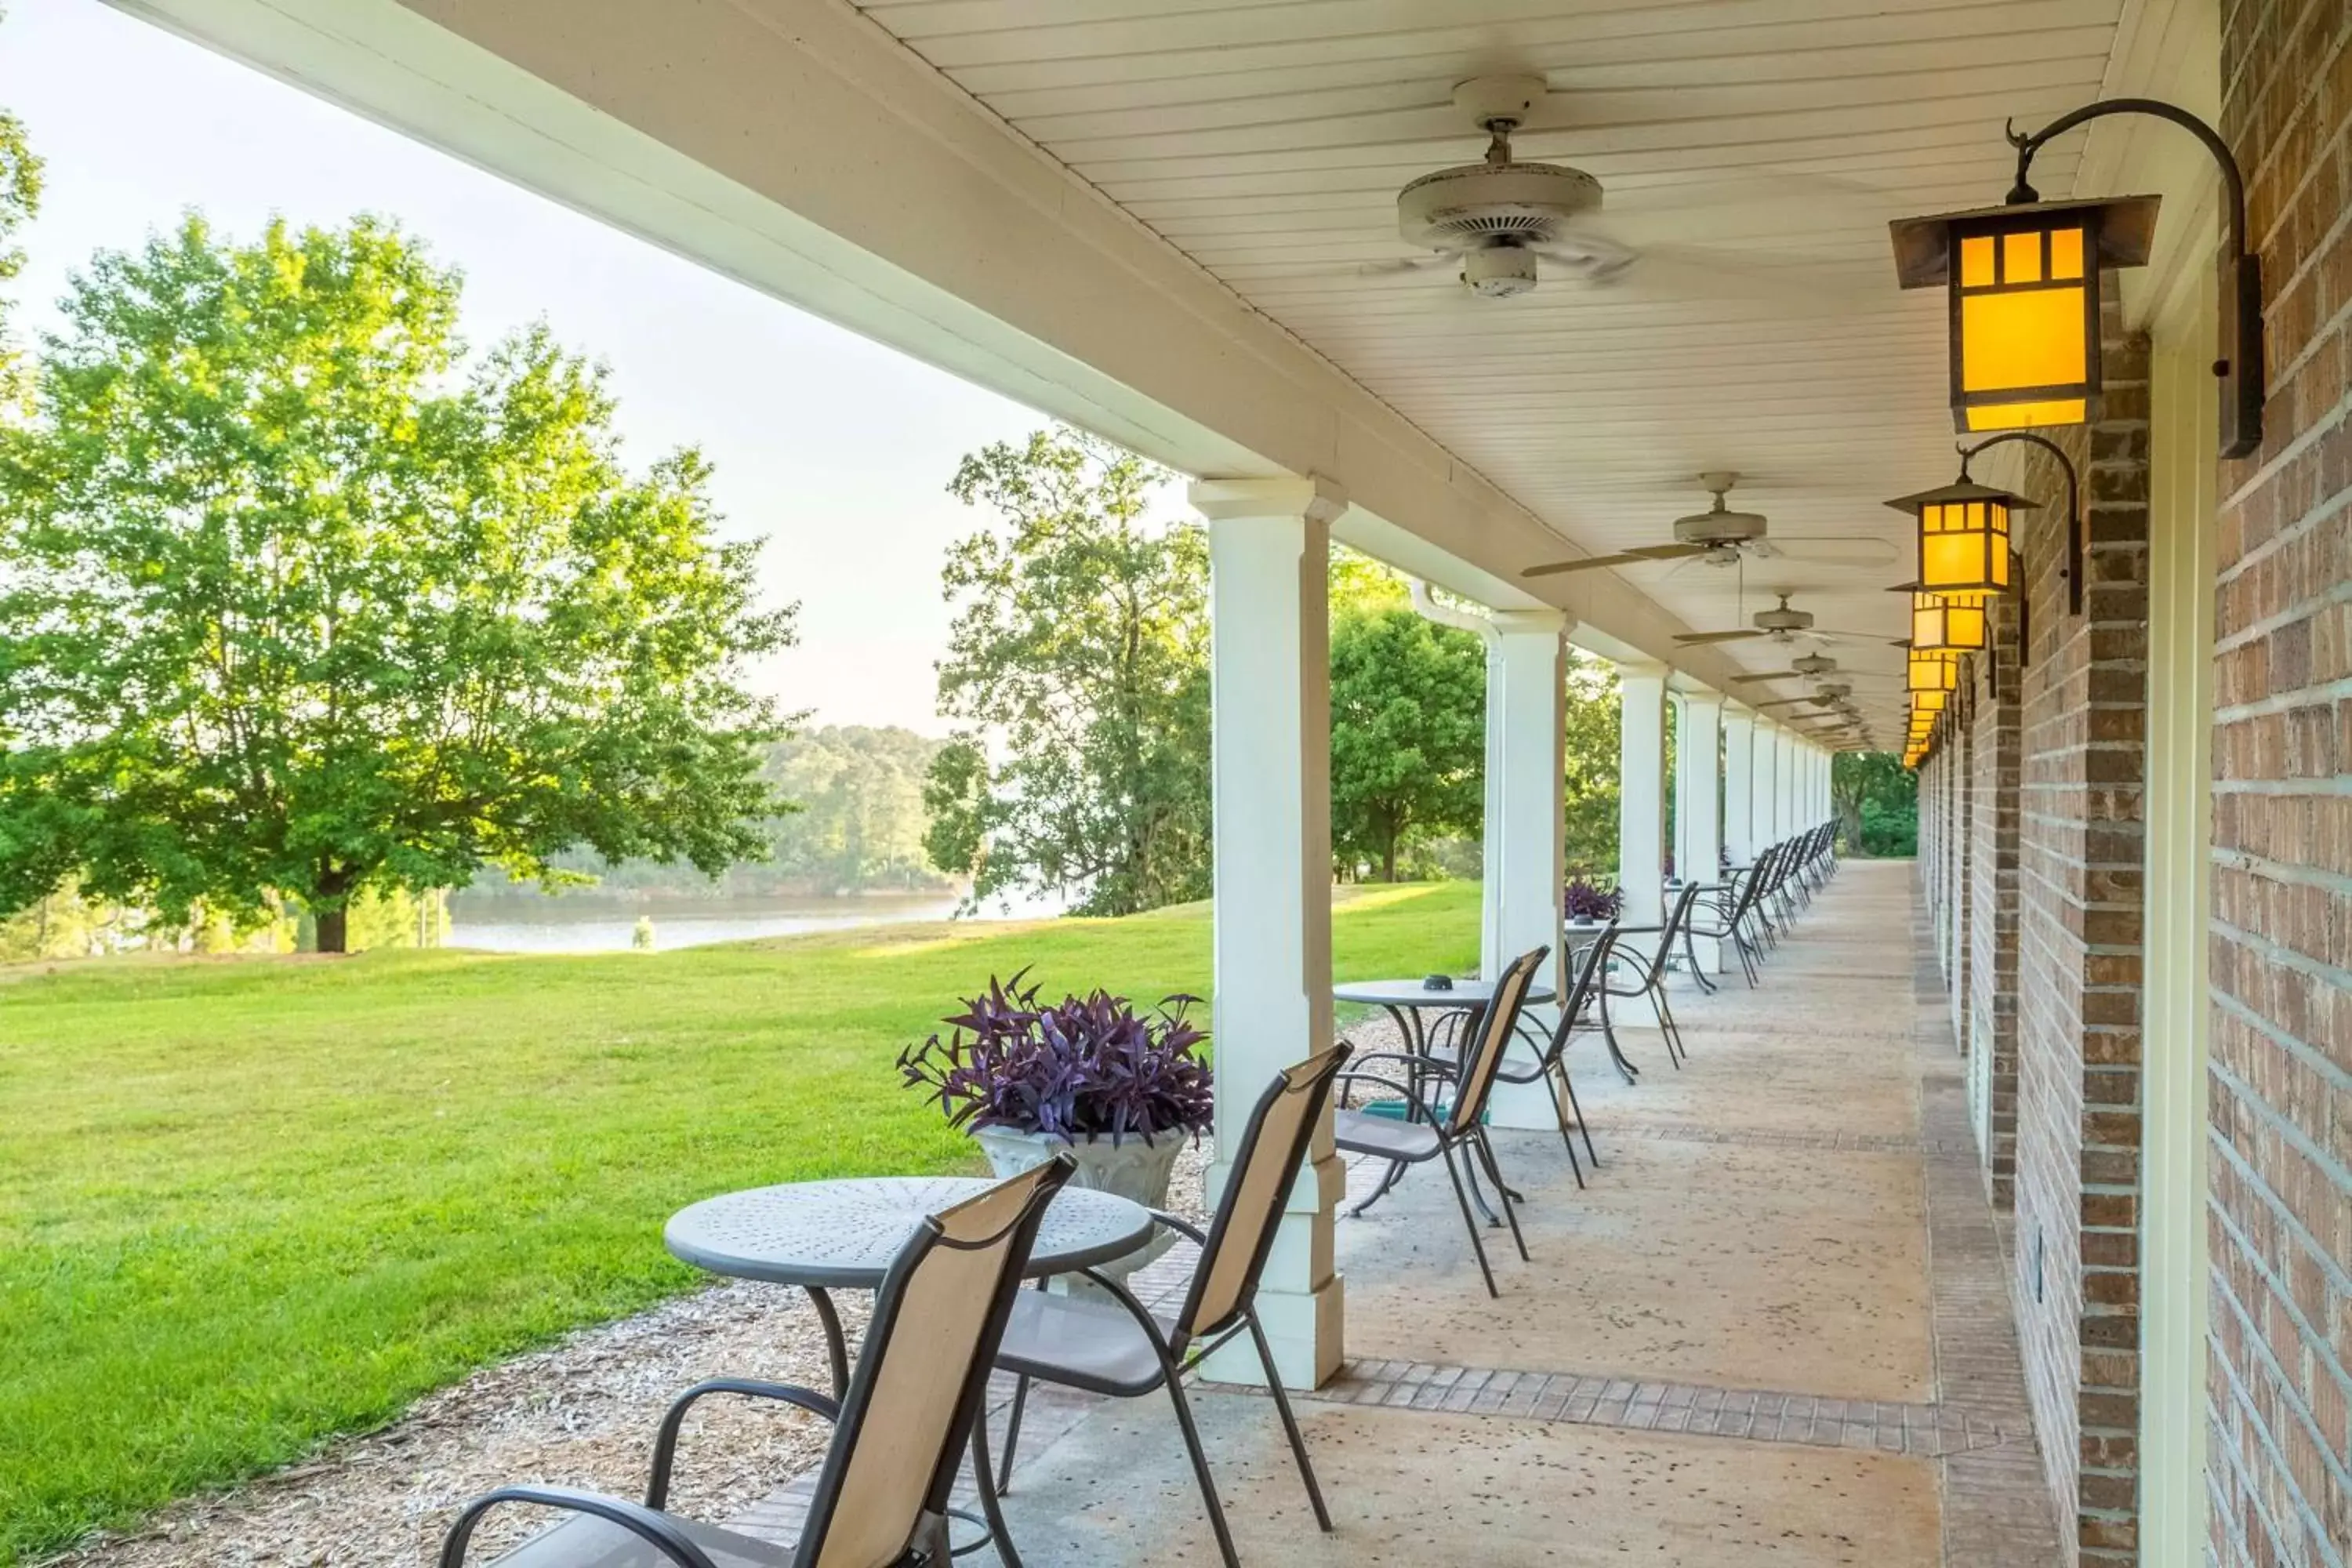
column 248, row 1204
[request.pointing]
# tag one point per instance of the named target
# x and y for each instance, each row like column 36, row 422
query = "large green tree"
column 1593, row 721
column 1876, row 799
column 295, row 599
column 20, row 199
column 1408, row 732
column 1077, row 673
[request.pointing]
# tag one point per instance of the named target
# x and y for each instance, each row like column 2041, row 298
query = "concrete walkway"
column 1773, row 1328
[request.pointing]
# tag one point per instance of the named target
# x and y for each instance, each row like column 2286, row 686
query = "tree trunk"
column 331, row 923
column 1388, row 858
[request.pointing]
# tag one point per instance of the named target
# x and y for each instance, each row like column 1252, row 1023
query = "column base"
column 1301, row 1297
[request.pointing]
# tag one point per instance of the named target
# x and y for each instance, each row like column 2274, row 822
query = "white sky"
column 838, row 449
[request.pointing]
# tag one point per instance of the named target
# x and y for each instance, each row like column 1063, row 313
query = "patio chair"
column 1123, row 1350
column 1732, row 905
column 899, row 1433
column 1436, row 1130
column 1648, row 973
column 1549, row 1066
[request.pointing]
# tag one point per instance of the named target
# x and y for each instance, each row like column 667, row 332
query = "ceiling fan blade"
column 1407, row 264
column 1667, row 552
column 1770, row 675
column 1697, row 638
column 1844, row 553
column 1584, row 563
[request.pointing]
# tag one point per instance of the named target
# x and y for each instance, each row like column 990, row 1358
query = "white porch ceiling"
column 1766, row 141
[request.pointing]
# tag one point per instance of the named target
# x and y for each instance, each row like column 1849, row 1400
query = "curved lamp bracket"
column 2241, row 365
column 2073, row 504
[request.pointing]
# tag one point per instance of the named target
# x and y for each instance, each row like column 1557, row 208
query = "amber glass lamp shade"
column 2023, row 283
column 1937, row 672
column 1953, row 621
column 1963, row 536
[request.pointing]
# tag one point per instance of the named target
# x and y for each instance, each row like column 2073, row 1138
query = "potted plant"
column 1586, row 901
column 1120, row 1089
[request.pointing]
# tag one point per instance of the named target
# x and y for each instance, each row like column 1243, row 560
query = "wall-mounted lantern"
column 1954, row 622
column 2023, row 282
column 1963, row 535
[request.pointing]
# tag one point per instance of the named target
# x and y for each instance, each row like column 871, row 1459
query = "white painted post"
column 1699, row 803
column 1527, row 674
column 1738, row 784
column 1784, row 785
column 1640, row 791
column 1764, row 806
column 1270, row 729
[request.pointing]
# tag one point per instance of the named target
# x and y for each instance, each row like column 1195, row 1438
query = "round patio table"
column 1409, row 1003
column 842, row 1235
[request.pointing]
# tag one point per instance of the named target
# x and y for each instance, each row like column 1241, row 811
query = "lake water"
column 577, row 923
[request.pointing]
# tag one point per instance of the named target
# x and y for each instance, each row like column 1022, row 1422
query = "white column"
column 1763, row 798
column 1740, row 784
column 1698, row 802
column 1784, row 785
column 1640, row 791
column 1526, row 674
column 1270, row 732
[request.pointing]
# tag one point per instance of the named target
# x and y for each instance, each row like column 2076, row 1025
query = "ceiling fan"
column 1782, row 623
column 1722, row 535
column 1814, row 666
column 1496, row 219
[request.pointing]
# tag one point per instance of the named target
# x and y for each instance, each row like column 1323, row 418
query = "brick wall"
column 1958, row 736
column 2280, row 1216
column 1994, row 679
column 2081, row 714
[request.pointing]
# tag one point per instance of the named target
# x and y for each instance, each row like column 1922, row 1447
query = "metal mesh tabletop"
column 844, row 1233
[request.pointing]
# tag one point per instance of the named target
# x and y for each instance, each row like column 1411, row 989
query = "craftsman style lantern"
column 1933, row 670
column 2023, row 282
column 2023, row 279
column 1963, row 536
column 1954, row 621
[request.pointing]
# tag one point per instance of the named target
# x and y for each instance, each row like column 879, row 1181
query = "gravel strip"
column 582, row 1414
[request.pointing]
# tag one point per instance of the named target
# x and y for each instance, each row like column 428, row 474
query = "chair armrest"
column 1182, row 1226
column 658, row 1530
column 1405, row 1093
column 1438, row 1065
column 665, row 1444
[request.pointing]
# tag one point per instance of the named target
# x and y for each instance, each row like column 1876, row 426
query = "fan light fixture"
column 2023, row 283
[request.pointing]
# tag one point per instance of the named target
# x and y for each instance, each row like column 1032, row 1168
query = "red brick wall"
column 1994, row 679
column 2082, row 723
column 2280, row 1217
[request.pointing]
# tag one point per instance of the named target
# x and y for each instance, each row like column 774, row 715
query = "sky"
column 838, row 450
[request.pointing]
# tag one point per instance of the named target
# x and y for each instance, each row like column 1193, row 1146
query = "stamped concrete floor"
column 1773, row 1328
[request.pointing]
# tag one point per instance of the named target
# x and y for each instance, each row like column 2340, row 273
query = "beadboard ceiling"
column 1754, row 149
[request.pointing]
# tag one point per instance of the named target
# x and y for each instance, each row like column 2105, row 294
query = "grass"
column 247, row 1205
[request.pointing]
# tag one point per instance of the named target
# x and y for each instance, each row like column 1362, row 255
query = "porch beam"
column 1270, row 782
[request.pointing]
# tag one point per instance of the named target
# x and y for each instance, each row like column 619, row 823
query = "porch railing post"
column 1270, row 781
column 1739, row 783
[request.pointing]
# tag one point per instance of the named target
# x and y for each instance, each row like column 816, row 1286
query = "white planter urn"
column 1131, row 1169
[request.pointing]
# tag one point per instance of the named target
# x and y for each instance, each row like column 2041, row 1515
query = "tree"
column 1077, row 668
column 1876, row 801
column 1408, row 732
column 1593, row 718
column 20, row 200
column 295, row 601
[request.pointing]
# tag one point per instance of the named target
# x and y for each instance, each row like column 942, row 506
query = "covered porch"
column 1774, row 1326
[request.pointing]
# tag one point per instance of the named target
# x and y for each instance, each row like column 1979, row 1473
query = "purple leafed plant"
column 1080, row 1067
column 1586, row 900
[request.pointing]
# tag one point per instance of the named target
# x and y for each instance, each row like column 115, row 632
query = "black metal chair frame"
column 929, row 1544
column 1462, row 1128
column 1550, row 1065
column 1175, row 1350
column 1650, row 972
